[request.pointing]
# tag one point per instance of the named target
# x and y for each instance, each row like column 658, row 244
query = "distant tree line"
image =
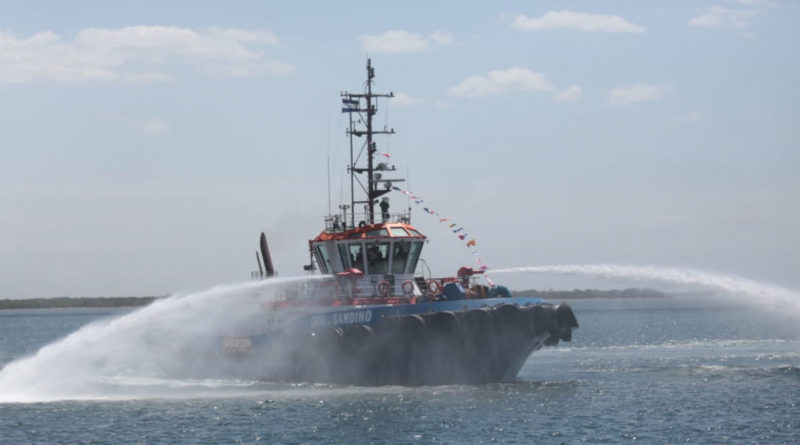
column 110, row 302
column 75, row 302
column 591, row 293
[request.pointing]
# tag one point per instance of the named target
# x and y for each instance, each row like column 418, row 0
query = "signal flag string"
column 457, row 230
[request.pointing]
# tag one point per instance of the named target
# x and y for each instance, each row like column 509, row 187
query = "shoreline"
column 131, row 302
column 76, row 303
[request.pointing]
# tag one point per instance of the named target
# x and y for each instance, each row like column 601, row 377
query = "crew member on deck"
column 385, row 209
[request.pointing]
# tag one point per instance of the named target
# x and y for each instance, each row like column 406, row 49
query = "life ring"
column 434, row 287
column 407, row 287
column 383, row 288
column 362, row 224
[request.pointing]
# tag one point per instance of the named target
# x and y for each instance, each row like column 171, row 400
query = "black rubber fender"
column 411, row 326
column 357, row 339
column 478, row 327
column 538, row 320
column 566, row 321
column 509, row 314
column 328, row 336
column 444, row 322
column 550, row 319
column 510, row 319
column 476, row 320
column 566, row 318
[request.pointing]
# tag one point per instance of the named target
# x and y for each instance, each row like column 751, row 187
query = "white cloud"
column 394, row 41
column 501, row 81
column 402, row 41
column 147, row 77
column 135, row 54
column 154, row 126
column 579, row 21
column 259, row 36
column 753, row 2
column 571, row 94
column 640, row 92
column 443, row 38
column 718, row 16
column 404, row 100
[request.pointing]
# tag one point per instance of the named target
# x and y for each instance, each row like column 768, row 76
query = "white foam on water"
column 773, row 297
column 137, row 355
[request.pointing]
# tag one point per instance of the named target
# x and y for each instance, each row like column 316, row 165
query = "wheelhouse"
column 384, row 249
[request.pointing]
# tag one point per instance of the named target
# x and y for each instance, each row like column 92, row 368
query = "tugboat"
column 378, row 316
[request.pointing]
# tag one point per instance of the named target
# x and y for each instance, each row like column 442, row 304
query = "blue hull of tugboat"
column 446, row 342
column 373, row 314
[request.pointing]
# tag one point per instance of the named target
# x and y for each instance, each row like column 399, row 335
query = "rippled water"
column 655, row 371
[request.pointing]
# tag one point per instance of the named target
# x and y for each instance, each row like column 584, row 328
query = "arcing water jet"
column 775, row 297
column 121, row 357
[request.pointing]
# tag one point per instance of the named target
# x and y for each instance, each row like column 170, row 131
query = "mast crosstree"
column 352, row 103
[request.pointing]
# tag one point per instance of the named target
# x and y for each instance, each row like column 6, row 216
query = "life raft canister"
column 407, row 287
column 383, row 288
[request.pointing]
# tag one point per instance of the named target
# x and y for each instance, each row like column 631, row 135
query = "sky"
column 145, row 145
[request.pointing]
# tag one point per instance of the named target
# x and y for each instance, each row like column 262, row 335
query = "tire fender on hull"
column 566, row 321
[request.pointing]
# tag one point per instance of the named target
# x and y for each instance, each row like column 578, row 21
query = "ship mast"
column 352, row 103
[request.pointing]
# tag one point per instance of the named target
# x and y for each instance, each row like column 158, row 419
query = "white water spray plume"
column 169, row 348
column 166, row 349
column 774, row 297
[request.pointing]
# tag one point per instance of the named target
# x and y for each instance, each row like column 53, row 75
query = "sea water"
column 678, row 370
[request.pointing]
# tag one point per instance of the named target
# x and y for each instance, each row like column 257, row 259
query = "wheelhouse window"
column 378, row 232
column 322, row 258
column 399, row 231
column 413, row 256
column 356, row 255
column 345, row 256
column 377, row 258
column 400, row 256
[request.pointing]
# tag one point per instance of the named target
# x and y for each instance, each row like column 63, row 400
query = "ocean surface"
column 679, row 370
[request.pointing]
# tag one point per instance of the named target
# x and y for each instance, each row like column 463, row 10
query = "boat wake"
column 755, row 347
column 773, row 297
column 143, row 354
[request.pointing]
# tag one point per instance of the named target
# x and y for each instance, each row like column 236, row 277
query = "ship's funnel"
column 270, row 271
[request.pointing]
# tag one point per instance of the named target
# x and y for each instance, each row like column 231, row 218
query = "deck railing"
column 337, row 223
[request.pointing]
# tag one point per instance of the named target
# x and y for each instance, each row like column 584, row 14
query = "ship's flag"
column 471, row 242
column 451, row 225
column 349, row 105
column 442, row 219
